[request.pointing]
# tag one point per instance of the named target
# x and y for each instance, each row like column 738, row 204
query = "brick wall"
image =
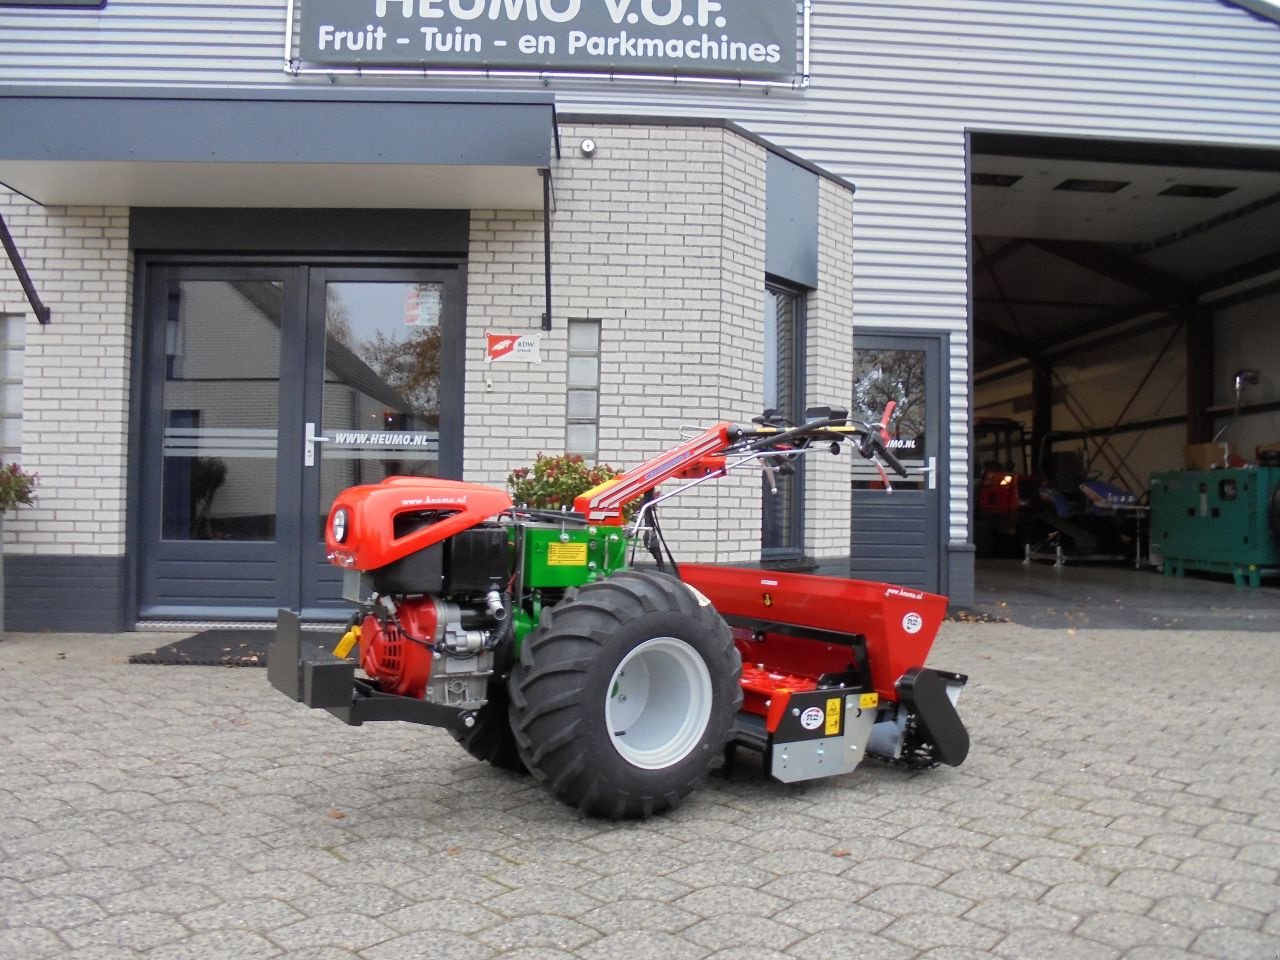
column 76, row 375
column 660, row 236
column 828, row 362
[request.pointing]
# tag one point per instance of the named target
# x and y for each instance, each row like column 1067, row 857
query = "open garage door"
column 1119, row 292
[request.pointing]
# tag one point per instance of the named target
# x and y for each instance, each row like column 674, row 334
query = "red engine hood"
column 370, row 541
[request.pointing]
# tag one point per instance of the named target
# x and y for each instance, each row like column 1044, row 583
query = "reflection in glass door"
column 221, row 409
column 389, row 398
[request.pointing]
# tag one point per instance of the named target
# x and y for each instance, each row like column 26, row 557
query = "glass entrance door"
column 898, row 538
column 268, row 389
column 384, row 395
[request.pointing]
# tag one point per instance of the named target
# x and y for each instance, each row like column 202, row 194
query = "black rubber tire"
column 561, row 684
column 491, row 738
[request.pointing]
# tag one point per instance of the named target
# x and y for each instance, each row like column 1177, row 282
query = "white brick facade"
column 828, row 360
column 661, row 237
column 75, row 429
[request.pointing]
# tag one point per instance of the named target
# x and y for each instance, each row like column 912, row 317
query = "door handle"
column 309, row 445
column 932, row 471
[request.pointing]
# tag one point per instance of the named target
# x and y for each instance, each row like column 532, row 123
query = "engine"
column 425, row 647
column 439, row 571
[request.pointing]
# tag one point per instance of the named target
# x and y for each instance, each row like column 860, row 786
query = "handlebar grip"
column 883, row 450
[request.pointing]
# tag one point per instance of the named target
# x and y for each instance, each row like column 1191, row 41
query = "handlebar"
column 871, row 439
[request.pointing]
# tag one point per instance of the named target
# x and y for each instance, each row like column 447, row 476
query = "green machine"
column 1224, row 521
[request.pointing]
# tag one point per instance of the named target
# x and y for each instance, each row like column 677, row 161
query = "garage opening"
column 1126, row 328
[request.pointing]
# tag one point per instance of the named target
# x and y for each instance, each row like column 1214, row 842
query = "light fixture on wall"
column 588, row 147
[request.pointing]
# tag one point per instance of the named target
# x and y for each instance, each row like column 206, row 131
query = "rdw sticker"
column 813, row 718
column 518, row 347
column 912, row 622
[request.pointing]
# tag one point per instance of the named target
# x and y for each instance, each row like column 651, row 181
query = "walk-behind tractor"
column 534, row 639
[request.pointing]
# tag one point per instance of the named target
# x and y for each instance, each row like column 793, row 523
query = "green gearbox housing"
column 554, row 557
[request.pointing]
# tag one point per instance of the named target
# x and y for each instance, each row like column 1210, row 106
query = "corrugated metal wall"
column 895, row 86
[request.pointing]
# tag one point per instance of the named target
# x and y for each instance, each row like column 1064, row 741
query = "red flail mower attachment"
column 833, row 669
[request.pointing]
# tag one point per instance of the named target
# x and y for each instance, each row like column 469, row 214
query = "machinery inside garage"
column 1126, row 356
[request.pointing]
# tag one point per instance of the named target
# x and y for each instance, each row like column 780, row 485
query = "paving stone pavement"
column 1122, row 799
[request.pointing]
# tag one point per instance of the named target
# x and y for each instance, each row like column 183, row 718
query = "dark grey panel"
column 274, row 130
column 960, row 574
column 791, row 221
column 81, row 594
column 255, row 230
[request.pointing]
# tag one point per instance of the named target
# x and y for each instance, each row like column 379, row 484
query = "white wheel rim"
column 658, row 704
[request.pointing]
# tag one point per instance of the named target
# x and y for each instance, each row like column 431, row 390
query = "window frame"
column 793, row 549
column 17, row 347
column 571, row 387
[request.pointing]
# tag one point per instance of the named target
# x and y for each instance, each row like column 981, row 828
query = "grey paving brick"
column 1264, row 897
column 712, row 901
column 978, row 885
column 351, row 932
column 817, row 915
column 1127, row 929
column 538, row 931
column 1161, row 883
column 218, row 945
column 1205, row 913
column 898, row 899
column 416, row 946
column 138, row 931
column 643, row 945
column 53, row 913
column 27, row 941
column 1013, row 913
column 841, row 946
column 734, row 930
column 1086, row 898
column 1023, row 944
column 1234, row 942
column 926, row 931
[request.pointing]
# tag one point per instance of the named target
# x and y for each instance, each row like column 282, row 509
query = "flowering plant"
column 552, row 483
column 16, row 486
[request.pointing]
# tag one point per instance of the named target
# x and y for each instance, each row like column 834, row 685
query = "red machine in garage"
column 536, row 642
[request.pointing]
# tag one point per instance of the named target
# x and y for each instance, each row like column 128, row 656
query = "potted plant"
column 553, row 482
column 17, row 487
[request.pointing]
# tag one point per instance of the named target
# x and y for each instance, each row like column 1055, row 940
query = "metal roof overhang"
column 295, row 148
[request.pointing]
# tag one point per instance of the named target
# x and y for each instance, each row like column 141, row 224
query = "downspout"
column 546, row 242
column 42, row 312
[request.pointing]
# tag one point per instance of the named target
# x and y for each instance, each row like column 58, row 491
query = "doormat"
column 222, row 647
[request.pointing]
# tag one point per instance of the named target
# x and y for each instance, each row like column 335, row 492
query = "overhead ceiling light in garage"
column 1200, row 190
column 1092, row 186
column 994, row 179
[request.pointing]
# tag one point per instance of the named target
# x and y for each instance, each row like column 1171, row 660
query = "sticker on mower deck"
column 812, row 718
column 566, row 554
column 834, row 713
column 912, row 622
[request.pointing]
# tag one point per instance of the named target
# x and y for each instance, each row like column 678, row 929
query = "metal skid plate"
column 824, row 733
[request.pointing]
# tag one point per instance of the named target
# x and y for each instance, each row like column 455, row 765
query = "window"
column 13, row 330
column 783, row 523
column 582, row 422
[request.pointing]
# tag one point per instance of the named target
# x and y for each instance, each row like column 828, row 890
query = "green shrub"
column 16, row 486
column 552, row 483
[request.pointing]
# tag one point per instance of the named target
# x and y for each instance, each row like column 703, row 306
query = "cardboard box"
column 1208, row 456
